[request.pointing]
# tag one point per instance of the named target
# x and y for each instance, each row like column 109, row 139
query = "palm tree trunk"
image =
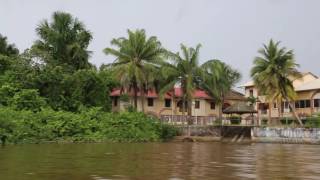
column 183, row 108
column 189, row 116
column 293, row 109
column 269, row 113
column 135, row 98
column 279, row 109
column 220, row 108
column 220, row 112
column 142, row 98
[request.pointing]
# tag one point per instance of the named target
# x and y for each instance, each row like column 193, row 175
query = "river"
column 150, row 161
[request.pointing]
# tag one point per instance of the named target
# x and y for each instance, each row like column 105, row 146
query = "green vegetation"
column 235, row 119
column 271, row 74
column 136, row 62
column 184, row 70
column 51, row 92
column 91, row 125
column 219, row 78
column 264, row 121
column 286, row 120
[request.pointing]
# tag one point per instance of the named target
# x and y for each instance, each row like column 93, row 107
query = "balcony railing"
column 183, row 120
column 203, row 120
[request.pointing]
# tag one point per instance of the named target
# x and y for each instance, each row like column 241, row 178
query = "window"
column 303, row 103
column 115, row 101
column 150, row 101
column 251, row 92
column 307, row 103
column 274, row 105
column 197, row 105
column 212, row 105
column 179, row 104
column 285, row 107
column 316, row 102
column 167, row 103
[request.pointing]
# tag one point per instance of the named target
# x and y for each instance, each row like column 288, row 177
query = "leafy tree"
column 137, row 60
column 21, row 72
column 52, row 85
column 6, row 94
column 28, row 99
column 219, row 78
column 90, row 89
column 7, row 49
column 183, row 70
column 7, row 52
column 272, row 72
column 63, row 42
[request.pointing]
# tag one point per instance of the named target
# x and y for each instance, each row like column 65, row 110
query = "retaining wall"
column 286, row 135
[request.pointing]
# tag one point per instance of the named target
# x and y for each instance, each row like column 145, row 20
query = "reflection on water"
column 173, row 161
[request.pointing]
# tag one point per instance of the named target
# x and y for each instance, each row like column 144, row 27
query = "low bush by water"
column 92, row 125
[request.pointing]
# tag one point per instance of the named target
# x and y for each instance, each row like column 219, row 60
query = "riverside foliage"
column 91, row 125
column 51, row 91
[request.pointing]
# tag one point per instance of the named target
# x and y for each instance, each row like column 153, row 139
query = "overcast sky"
column 230, row 30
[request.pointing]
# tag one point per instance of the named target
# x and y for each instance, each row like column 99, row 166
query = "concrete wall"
column 214, row 131
column 286, row 135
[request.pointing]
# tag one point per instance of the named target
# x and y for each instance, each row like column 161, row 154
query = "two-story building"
column 171, row 103
column 307, row 102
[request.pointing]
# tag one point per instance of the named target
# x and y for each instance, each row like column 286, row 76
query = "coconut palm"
column 272, row 73
column 63, row 42
column 137, row 61
column 218, row 80
column 183, row 70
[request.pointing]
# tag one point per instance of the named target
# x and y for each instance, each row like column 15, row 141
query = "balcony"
column 204, row 120
column 183, row 120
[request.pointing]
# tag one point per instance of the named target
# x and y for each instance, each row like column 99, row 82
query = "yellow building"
column 307, row 102
column 203, row 106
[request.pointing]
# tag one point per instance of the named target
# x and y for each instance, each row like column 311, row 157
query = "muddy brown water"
column 175, row 161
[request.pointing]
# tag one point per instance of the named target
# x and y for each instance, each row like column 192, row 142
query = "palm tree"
column 183, row 70
column 137, row 61
column 272, row 73
column 63, row 42
column 218, row 80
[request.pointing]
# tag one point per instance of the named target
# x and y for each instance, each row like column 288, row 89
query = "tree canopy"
column 63, row 42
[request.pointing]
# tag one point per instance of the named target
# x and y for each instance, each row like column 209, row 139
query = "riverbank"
column 91, row 125
column 245, row 134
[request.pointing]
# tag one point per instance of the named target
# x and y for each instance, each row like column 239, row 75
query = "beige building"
column 307, row 102
column 202, row 105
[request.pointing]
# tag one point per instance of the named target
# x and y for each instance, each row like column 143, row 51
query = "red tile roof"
column 177, row 91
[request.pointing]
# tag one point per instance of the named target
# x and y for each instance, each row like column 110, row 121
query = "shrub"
column 167, row 131
column 286, row 121
column 264, row 121
column 27, row 99
column 313, row 122
column 90, row 125
column 235, row 119
column 6, row 94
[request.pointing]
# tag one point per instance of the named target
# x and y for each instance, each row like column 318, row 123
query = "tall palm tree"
column 272, row 73
column 218, row 80
column 63, row 42
column 137, row 61
column 183, row 70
